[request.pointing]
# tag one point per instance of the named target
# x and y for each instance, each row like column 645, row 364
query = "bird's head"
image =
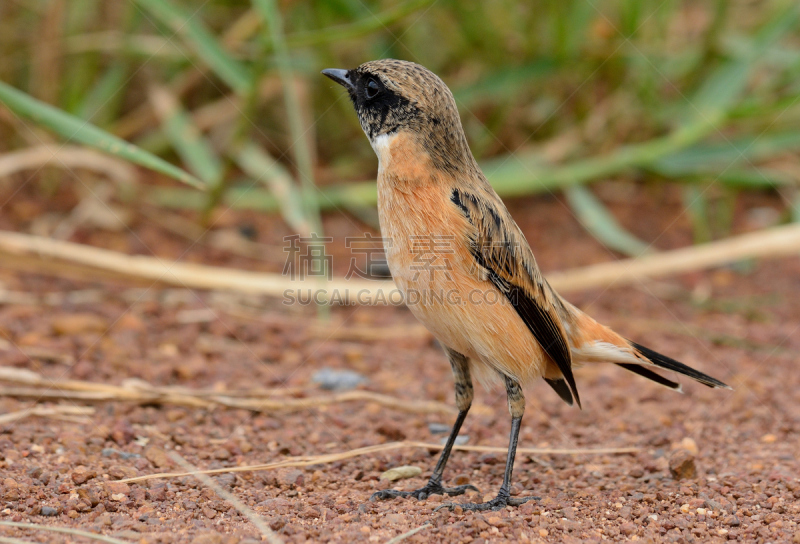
column 393, row 97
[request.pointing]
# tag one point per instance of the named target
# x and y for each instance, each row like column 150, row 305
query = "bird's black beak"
column 342, row 77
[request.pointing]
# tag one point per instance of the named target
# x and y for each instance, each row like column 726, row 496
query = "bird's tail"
column 667, row 363
column 592, row 342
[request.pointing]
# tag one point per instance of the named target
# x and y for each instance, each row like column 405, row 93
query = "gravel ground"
column 712, row 465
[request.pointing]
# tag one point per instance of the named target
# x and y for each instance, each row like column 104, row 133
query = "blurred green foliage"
column 553, row 93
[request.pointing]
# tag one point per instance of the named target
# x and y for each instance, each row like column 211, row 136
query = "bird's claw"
column 431, row 488
column 498, row 503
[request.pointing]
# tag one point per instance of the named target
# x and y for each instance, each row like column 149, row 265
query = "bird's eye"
column 372, row 89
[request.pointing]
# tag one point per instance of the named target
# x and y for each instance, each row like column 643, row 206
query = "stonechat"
column 490, row 307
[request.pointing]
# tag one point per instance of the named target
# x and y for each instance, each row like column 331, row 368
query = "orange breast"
column 428, row 252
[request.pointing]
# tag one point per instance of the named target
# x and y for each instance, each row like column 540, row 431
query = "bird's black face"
column 392, row 96
column 381, row 109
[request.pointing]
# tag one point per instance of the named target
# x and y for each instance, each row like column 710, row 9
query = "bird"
column 452, row 244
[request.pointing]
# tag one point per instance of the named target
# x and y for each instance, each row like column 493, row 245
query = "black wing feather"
column 495, row 250
column 560, row 387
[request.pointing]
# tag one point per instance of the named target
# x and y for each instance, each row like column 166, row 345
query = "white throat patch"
column 381, row 145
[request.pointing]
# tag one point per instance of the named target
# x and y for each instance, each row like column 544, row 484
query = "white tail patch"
column 604, row 352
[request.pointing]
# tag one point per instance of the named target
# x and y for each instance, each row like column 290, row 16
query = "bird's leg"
column 516, row 405
column 464, row 394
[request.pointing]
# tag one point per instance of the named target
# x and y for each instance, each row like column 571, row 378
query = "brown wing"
column 500, row 249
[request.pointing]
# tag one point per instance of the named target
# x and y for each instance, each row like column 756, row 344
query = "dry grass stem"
column 178, row 273
column 65, row 530
column 403, row 405
column 769, row 243
column 75, row 414
column 306, row 460
column 407, row 534
column 141, row 392
column 68, row 157
column 254, row 518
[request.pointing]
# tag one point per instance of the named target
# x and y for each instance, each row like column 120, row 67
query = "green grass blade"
column 735, row 178
column 258, row 164
column 754, row 178
column 115, row 42
column 247, row 197
column 722, row 155
column 179, row 198
column 100, row 103
column 269, row 12
column 74, row 129
column 503, row 83
column 364, row 193
column 268, row 9
column 596, row 218
column 521, row 175
column 377, row 21
column 187, row 140
column 697, row 206
column 188, row 25
column 704, row 114
column 726, row 84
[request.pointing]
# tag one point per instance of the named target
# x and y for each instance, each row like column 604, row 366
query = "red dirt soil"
column 739, row 324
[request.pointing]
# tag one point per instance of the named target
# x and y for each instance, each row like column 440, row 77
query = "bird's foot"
column 431, row 488
column 498, row 503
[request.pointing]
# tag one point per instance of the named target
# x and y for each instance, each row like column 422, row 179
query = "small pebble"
column 109, row 452
column 49, row 511
column 394, row 519
column 158, row 457
column 439, row 428
column 460, row 440
column 337, row 380
column 401, row 473
column 221, row 454
column 689, row 445
column 81, row 475
column 681, row 465
column 291, row 478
